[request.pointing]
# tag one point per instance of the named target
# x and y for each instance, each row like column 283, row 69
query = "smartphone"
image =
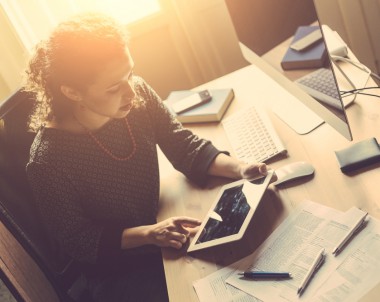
column 192, row 101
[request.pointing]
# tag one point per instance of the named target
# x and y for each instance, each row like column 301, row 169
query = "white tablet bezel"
column 254, row 202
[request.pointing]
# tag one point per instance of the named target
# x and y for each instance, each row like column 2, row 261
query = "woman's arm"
column 193, row 156
column 187, row 152
column 227, row 166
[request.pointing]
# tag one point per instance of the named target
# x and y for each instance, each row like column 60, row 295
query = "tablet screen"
column 230, row 213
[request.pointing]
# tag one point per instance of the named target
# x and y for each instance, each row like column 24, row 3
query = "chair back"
column 18, row 211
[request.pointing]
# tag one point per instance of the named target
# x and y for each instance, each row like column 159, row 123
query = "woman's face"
column 111, row 93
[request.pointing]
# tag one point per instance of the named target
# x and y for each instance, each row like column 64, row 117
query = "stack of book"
column 312, row 56
column 211, row 111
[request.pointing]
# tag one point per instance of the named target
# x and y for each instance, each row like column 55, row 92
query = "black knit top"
column 86, row 198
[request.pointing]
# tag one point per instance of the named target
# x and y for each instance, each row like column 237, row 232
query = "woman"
column 93, row 164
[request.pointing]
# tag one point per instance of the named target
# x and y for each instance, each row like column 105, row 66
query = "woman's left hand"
column 173, row 232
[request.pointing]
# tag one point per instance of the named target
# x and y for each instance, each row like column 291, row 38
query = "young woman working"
column 93, row 164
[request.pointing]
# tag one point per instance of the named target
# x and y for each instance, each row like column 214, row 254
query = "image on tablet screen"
column 229, row 214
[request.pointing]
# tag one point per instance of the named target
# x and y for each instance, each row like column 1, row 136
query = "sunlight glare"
column 127, row 11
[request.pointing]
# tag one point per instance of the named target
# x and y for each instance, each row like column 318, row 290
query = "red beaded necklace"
column 106, row 150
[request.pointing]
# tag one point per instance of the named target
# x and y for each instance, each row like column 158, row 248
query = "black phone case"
column 359, row 155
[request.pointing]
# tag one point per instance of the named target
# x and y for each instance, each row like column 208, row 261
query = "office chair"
column 17, row 209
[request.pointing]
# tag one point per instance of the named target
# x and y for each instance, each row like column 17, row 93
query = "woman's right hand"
column 173, row 232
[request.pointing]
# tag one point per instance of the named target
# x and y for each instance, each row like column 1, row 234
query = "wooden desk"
column 328, row 186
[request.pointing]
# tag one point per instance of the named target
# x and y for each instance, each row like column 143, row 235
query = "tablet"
column 230, row 213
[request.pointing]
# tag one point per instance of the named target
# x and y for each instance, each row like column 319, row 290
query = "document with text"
column 292, row 247
column 357, row 274
column 214, row 288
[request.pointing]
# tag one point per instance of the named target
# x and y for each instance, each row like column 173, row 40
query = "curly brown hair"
column 72, row 55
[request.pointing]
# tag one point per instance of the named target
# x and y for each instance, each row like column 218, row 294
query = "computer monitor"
column 260, row 20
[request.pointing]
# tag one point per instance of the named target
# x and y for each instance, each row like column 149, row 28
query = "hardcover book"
column 313, row 56
column 211, row 111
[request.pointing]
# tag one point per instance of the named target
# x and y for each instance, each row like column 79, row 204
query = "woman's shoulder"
column 40, row 145
column 50, row 143
column 152, row 102
column 145, row 91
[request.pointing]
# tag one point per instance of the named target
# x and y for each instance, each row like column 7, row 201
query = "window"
column 126, row 11
column 33, row 20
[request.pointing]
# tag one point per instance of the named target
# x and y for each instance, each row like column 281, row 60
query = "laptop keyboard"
column 321, row 85
column 321, row 80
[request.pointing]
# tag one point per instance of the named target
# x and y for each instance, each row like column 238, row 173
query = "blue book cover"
column 312, row 57
column 212, row 111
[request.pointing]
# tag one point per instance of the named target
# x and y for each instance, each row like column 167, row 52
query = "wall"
column 263, row 24
column 192, row 43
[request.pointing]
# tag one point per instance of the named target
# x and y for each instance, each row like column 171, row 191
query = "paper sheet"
column 357, row 274
column 215, row 289
column 292, row 247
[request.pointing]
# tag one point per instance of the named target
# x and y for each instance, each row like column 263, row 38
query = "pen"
column 361, row 226
column 316, row 264
column 357, row 227
column 266, row 275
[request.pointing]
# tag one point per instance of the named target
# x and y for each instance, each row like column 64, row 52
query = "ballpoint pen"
column 314, row 267
column 359, row 225
column 266, row 275
column 358, row 230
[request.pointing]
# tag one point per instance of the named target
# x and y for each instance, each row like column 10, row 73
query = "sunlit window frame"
column 28, row 38
column 116, row 13
column 147, row 23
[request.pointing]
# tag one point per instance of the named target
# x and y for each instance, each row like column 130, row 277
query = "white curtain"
column 22, row 24
column 32, row 20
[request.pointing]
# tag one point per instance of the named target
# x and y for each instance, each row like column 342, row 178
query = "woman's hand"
column 227, row 166
column 173, row 232
column 249, row 171
column 254, row 170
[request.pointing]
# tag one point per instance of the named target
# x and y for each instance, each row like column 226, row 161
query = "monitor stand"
column 288, row 108
column 297, row 116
